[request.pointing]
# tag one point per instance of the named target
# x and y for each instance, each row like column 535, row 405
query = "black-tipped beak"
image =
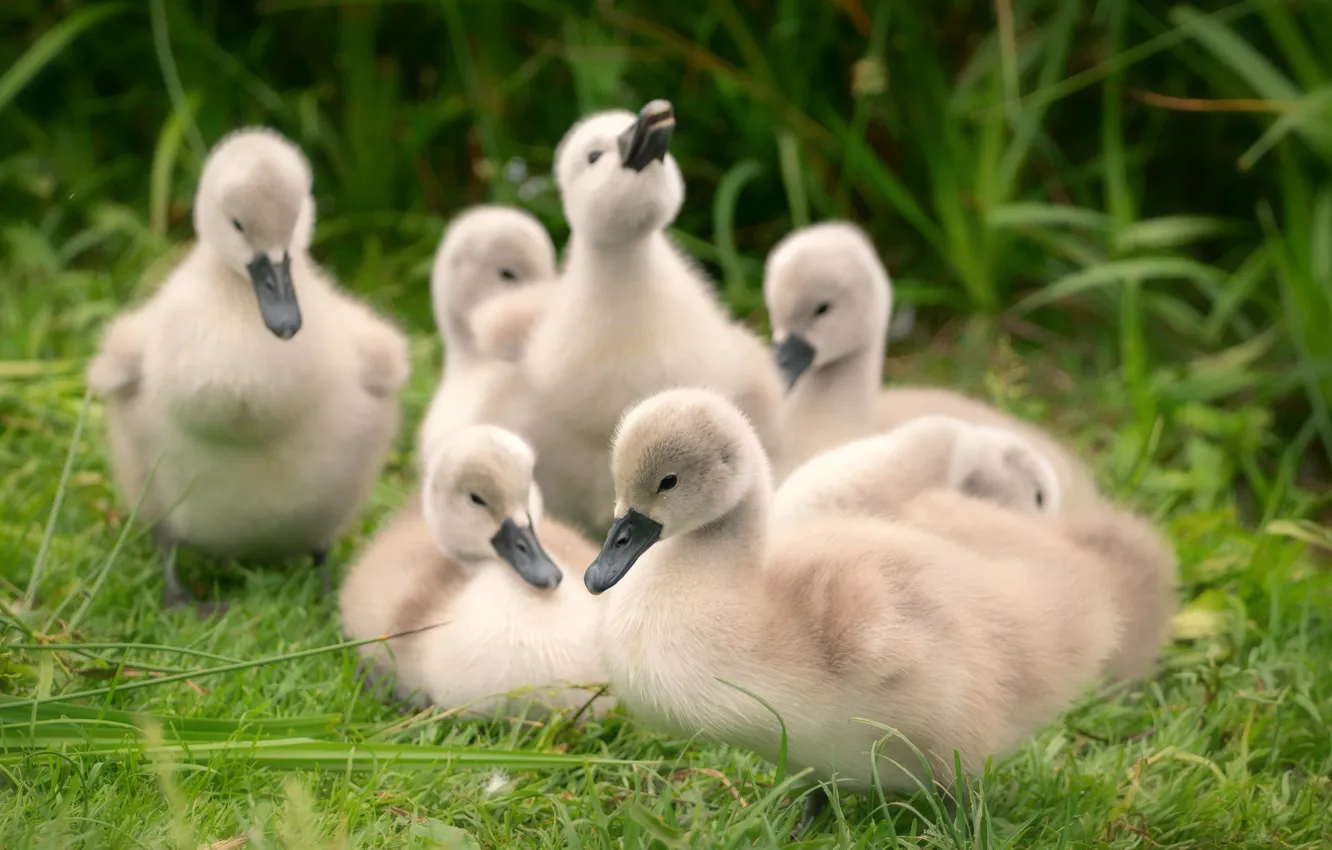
column 277, row 297
column 649, row 137
column 630, row 536
column 794, row 356
column 521, row 549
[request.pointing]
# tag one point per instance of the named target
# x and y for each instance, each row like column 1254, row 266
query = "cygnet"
column 634, row 314
column 465, row 554
column 874, row 476
column 250, row 401
column 955, row 479
column 829, row 619
column 492, row 278
column 829, row 300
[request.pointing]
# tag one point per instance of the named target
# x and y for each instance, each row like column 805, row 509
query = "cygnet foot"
column 815, row 803
column 210, row 609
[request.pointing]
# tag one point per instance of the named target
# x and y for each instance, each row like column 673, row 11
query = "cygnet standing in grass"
column 634, row 314
column 492, row 278
column 250, row 401
column 963, row 481
column 466, row 554
column 827, row 618
column 829, row 300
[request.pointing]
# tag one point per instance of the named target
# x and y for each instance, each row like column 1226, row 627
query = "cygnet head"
column 681, row 460
column 617, row 181
column 479, row 500
column 828, row 297
column 1007, row 469
column 994, row 464
column 486, row 250
column 253, row 207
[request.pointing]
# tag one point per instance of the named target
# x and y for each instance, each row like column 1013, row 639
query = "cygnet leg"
column 173, row 592
column 815, row 802
column 325, row 575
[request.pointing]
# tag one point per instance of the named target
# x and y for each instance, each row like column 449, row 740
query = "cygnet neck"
column 846, row 388
column 459, row 343
column 740, row 535
column 619, row 268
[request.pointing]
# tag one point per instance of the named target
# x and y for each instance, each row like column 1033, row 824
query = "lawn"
column 1227, row 746
column 1111, row 217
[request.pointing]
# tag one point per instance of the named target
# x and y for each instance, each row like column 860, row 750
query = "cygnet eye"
column 1040, row 499
column 477, row 500
column 507, row 274
column 235, row 222
column 822, row 308
column 593, row 156
column 667, row 483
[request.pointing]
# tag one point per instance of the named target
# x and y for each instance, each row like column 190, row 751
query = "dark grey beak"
column 630, row 536
column 649, row 137
column 277, row 297
column 521, row 549
column 794, row 356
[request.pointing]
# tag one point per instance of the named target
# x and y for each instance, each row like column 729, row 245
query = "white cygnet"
column 249, row 401
column 829, row 300
column 962, row 481
column 493, row 277
column 832, row 620
column 634, row 315
column 466, row 553
column 874, row 476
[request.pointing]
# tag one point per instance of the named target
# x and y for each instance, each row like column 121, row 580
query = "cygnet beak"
column 518, row 545
column 630, row 536
column 649, row 137
column 277, row 297
column 794, row 356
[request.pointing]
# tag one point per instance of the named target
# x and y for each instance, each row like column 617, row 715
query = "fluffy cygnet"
column 962, row 481
column 829, row 300
column 492, row 278
column 874, row 476
column 489, row 255
column 634, row 314
column 466, row 553
column 249, row 400
column 827, row 618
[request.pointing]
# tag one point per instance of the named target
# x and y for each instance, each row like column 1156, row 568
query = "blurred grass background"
column 1143, row 189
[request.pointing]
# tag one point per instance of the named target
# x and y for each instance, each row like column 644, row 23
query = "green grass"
column 1228, row 746
column 1113, row 216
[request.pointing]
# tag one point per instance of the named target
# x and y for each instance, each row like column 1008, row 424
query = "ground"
column 1228, row 746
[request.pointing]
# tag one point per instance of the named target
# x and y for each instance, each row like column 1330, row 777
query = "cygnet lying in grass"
column 466, row 553
column 249, row 400
column 829, row 300
column 956, row 479
column 827, row 618
column 874, row 476
column 492, row 278
column 634, row 314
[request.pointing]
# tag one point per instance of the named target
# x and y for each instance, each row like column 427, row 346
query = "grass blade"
column 50, row 45
column 723, row 226
column 1117, row 271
